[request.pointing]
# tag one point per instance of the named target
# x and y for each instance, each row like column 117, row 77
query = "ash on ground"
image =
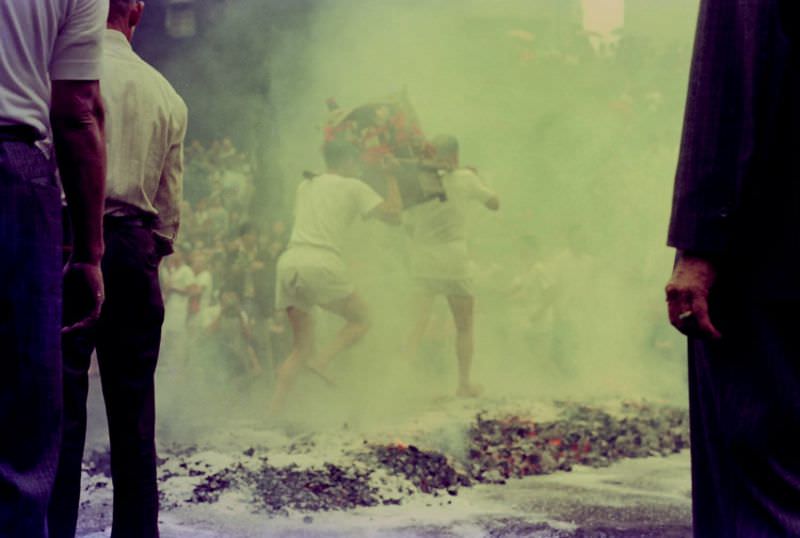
column 327, row 471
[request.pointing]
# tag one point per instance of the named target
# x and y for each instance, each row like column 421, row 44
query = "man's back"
column 326, row 206
column 441, row 222
column 145, row 127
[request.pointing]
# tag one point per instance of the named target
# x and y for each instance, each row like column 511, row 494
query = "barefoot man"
column 439, row 258
column 311, row 272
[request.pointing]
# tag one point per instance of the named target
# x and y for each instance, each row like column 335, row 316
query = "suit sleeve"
column 717, row 142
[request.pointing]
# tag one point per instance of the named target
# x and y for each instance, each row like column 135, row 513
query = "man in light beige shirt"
column 145, row 126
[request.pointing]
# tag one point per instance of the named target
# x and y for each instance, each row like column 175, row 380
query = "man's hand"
column 687, row 297
column 83, row 296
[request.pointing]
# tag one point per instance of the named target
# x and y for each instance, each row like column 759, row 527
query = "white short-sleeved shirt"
column 44, row 40
column 438, row 246
column 326, row 206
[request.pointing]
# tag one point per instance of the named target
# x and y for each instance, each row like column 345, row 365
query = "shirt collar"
column 115, row 38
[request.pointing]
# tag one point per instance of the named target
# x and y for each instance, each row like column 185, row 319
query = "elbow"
column 393, row 218
column 70, row 123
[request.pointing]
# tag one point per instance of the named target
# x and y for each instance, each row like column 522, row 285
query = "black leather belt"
column 19, row 133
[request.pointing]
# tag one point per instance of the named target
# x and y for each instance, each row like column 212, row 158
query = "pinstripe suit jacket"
column 737, row 187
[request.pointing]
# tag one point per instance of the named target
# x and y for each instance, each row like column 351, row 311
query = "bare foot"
column 469, row 391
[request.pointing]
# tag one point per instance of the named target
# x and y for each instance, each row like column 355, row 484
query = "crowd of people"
column 219, row 284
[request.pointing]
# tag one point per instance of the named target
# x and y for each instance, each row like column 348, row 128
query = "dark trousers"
column 30, row 324
column 127, row 339
column 745, row 417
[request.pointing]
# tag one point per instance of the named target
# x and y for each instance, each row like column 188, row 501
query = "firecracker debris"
column 499, row 448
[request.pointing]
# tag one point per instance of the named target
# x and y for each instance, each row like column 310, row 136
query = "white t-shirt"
column 205, row 314
column 176, row 309
column 438, row 228
column 326, row 206
column 44, row 40
column 205, row 281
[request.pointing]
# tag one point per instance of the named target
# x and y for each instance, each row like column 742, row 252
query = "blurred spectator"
column 234, row 340
column 200, row 291
column 177, row 281
column 224, row 253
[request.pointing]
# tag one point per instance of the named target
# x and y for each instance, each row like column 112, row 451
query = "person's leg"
column 743, row 407
column 757, row 392
column 356, row 315
column 267, row 347
column 462, row 307
column 30, row 323
column 128, row 342
column 63, row 511
column 423, row 304
column 302, row 349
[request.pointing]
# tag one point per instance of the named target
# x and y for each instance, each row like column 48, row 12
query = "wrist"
column 697, row 268
column 86, row 255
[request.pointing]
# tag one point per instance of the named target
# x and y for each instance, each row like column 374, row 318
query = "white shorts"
column 309, row 276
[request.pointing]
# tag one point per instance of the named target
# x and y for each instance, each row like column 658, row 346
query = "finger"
column 705, row 328
column 678, row 303
column 684, row 316
column 84, row 324
column 98, row 306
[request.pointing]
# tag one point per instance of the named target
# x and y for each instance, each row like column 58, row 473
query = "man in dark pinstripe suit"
column 735, row 289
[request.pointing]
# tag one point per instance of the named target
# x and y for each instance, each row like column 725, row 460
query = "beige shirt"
column 45, row 40
column 145, row 128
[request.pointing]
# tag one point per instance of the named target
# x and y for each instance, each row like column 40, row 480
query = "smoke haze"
column 581, row 149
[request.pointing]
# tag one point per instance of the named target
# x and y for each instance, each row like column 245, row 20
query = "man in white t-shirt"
column 440, row 262
column 49, row 92
column 312, row 272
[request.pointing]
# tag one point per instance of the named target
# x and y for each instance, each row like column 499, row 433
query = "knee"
column 361, row 320
column 304, row 350
column 360, row 325
column 464, row 329
column 463, row 326
column 363, row 326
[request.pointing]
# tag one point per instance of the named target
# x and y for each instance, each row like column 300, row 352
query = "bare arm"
column 390, row 209
column 77, row 116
